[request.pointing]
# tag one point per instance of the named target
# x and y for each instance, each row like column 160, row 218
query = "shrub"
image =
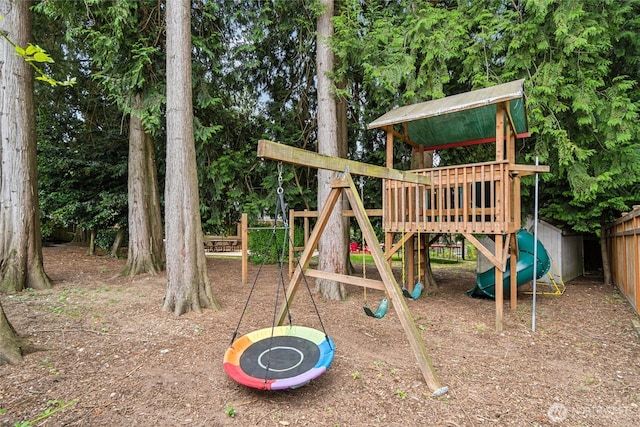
column 265, row 246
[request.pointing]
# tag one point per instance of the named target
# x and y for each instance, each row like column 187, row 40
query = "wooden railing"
column 477, row 198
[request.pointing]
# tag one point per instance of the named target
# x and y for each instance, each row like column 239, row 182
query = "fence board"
column 623, row 238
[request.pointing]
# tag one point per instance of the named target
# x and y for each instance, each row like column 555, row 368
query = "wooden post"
column 307, row 253
column 410, row 264
column 499, row 290
column 244, row 236
column 500, row 132
column 292, row 234
column 389, row 147
column 394, row 292
column 390, row 284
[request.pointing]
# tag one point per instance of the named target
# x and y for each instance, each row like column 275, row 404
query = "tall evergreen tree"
column 124, row 45
column 188, row 287
column 20, row 243
column 580, row 61
column 332, row 247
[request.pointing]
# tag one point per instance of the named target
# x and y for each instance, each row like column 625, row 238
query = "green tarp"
column 461, row 119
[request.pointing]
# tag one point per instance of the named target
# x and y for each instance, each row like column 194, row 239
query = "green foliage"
column 34, row 54
column 254, row 68
column 580, row 61
column 265, row 245
column 230, row 411
column 105, row 238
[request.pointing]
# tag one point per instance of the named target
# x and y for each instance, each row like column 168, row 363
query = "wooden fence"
column 624, row 255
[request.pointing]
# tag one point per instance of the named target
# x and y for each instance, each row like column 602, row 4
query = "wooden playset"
column 469, row 199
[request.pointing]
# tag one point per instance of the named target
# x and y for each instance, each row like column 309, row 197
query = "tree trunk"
column 117, row 242
column 422, row 159
column 606, row 267
column 146, row 246
column 188, row 287
column 429, row 281
column 20, row 236
column 92, row 242
column 332, row 246
column 80, row 235
column 10, row 344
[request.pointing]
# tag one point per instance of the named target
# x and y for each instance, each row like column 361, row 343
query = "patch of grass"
column 612, row 299
column 480, row 327
column 54, row 406
column 63, row 296
column 401, row 394
column 230, row 411
column 444, row 261
column 57, row 310
column 46, row 364
column 586, row 382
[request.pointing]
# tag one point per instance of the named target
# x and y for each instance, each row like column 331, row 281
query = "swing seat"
column 380, row 311
column 415, row 294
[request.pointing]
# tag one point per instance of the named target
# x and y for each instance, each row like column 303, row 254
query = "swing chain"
column 280, row 189
column 282, row 204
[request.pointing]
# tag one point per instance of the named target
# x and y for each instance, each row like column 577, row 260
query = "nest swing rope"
column 278, row 357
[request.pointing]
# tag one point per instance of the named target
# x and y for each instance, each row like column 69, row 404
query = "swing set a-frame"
column 478, row 198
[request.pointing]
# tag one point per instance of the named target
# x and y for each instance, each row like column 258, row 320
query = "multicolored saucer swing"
column 278, row 357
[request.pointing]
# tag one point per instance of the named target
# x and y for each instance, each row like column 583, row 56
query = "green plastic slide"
column 485, row 281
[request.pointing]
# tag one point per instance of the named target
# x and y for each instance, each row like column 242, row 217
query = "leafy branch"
column 34, row 55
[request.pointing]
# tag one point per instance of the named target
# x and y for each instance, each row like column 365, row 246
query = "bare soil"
column 111, row 354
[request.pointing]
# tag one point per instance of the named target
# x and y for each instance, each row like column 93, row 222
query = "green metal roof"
column 463, row 119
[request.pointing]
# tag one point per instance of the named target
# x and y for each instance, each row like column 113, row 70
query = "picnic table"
column 221, row 243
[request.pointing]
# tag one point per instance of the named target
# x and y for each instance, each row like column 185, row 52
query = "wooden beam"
column 498, row 264
column 405, row 138
column 345, row 278
column 395, row 248
column 370, row 212
column 297, row 156
column 389, row 146
column 524, row 170
column 500, row 133
column 394, row 292
column 499, row 286
column 307, row 253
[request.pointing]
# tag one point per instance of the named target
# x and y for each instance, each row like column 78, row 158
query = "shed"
column 565, row 248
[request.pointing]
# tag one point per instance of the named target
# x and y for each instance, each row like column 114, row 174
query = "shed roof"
column 463, row 119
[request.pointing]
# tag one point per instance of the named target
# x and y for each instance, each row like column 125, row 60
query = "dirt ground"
column 110, row 357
